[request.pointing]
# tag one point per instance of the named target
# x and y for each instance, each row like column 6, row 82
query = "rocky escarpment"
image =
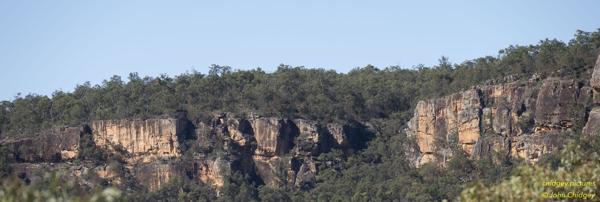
column 150, row 153
column 276, row 151
column 52, row 145
column 593, row 125
column 144, row 140
column 522, row 119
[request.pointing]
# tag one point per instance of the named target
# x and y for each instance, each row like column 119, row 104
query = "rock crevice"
column 521, row 119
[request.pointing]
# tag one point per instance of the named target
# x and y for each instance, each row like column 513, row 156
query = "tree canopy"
column 362, row 94
column 384, row 97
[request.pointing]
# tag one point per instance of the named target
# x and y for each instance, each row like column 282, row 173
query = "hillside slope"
column 301, row 134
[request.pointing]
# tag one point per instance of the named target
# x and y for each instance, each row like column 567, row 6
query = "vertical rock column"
column 457, row 116
column 592, row 127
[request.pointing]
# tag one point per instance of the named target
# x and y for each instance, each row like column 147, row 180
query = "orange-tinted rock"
column 156, row 174
column 592, row 127
column 271, row 169
column 145, row 140
column 276, row 151
column 522, row 113
column 238, row 130
column 595, row 81
column 337, row 132
column 440, row 119
column 273, row 136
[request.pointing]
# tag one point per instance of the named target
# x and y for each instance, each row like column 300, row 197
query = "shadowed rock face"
column 275, row 151
column 273, row 136
column 52, row 145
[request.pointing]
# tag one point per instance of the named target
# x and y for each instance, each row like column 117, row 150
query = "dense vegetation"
column 579, row 161
column 384, row 97
column 362, row 94
column 53, row 187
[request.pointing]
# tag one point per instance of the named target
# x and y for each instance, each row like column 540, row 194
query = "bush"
column 53, row 187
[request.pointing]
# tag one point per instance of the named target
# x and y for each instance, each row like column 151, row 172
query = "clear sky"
column 54, row 45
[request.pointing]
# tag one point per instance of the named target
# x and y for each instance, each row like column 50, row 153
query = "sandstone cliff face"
column 145, row 140
column 278, row 152
column 52, row 145
column 156, row 174
column 273, row 136
column 435, row 120
column 595, row 81
column 86, row 175
column 592, row 127
column 519, row 119
column 515, row 120
column 153, row 149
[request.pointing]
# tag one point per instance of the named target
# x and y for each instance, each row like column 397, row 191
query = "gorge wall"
column 515, row 120
column 521, row 119
column 152, row 152
column 145, row 140
column 52, row 145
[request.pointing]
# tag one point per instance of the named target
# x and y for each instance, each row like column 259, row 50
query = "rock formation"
column 152, row 152
column 592, row 127
column 278, row 152
column 145, row 140
column 593, row 124
column 595, row 81
column 521, row 119
column 52, row 145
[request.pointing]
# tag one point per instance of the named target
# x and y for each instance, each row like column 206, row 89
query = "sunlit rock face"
column 282, row 147
column 156, row 174
column 592, row 127
column 274, row 140
column 337, row 133
column 50, row 145
column 273, row 136
column 145, row 140
column 150, row 153
column 457, row 115
column 273, row 151
column 519, row 119
column 595, row 81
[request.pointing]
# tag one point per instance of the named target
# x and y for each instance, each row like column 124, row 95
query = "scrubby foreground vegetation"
column 383, row 97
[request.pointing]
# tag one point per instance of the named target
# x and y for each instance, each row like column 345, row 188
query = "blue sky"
column 55, row 45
